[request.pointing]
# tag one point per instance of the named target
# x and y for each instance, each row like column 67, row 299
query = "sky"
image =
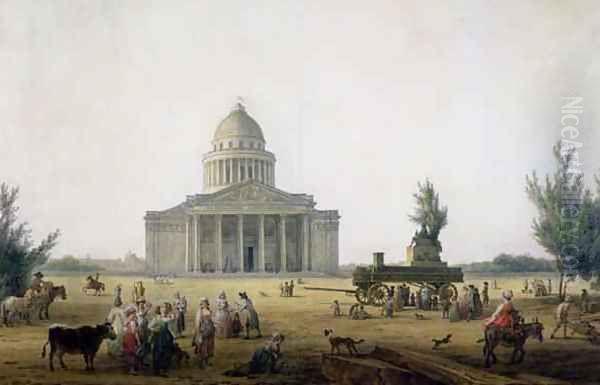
column 106, row 108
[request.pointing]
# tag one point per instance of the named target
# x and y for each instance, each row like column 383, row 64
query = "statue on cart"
column 423, row 268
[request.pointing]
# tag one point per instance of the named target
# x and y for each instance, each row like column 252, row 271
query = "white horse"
column 13, row 308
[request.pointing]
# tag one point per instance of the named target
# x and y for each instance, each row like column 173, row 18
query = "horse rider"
column 562, row 316
column 506, row 314
column 37, row 282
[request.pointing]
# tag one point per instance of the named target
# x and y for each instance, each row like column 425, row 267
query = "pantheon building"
column 241, row 222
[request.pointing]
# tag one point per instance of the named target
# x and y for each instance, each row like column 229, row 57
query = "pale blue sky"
column 106, row 108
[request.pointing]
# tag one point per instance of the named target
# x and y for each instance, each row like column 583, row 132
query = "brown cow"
column 84, row 340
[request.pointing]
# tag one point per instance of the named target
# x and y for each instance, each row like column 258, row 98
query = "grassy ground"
column 301, row 319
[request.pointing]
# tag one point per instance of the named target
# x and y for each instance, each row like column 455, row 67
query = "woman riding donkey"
column 506, row 327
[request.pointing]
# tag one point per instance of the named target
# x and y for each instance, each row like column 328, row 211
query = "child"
column 336, row 308
column 236, row 325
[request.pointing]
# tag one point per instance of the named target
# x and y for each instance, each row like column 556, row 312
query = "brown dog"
column 443, row 341
column 335, row 342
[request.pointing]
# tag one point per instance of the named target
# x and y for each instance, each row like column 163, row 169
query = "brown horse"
column 97, row 286
column 494, row 336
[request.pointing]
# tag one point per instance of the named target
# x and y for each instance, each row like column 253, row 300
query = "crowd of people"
column 147, row 335
column 468, row 305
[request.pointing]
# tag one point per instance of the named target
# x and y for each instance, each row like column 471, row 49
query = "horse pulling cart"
column 370, row 282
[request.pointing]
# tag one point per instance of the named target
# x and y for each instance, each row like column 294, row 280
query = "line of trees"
column 70, row 263
column 509, row 263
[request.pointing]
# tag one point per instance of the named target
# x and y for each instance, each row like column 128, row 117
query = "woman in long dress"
column 204, row 338
column 222, row 320
column 163, row 342
column 131, row 339
column 463, row 302
column 505, row 313
column 454, row 313
column 252, row 321
column 116, row 317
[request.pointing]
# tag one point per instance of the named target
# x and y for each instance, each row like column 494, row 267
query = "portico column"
column 219, row 241
column 240, row 161
column 241, row 242
column 282, row 245
column 261, row 242
column 196, row 243
column 305, row 243
column 187, row 243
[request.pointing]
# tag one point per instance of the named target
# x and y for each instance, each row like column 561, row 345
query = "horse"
column 97, row 286
column 49, row 294
column 13, row 308
column 494, row 336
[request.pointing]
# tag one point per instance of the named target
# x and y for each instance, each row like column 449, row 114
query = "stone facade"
column 242, row 222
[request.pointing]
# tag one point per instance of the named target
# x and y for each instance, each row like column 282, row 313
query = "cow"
column 84, row 340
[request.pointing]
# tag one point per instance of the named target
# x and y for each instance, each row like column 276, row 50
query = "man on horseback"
column 37, row 282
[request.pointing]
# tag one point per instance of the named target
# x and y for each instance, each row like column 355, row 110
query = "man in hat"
column 584, row 301
column 118, row 300
column 562, row 316
column 37, row 281
column 485, row 296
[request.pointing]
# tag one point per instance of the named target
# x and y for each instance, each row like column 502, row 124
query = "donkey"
column 515, row 338
column 49, row 294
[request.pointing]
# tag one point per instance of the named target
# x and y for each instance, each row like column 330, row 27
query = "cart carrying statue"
column 423, row 266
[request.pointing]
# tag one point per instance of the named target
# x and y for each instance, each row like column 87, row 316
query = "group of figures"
column 468, row 305
column 537, row 287
column 286, row 289
column 146, row 332
column 164, row 279
column 35, row 302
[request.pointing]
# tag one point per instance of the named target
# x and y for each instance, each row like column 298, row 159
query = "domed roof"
column 238, row 123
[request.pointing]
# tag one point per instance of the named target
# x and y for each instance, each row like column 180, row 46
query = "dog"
column 179, row 355
column 420, row 316
column 437, row 343
column 336, row 342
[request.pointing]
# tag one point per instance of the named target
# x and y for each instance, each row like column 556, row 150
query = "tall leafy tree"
column 18, row 255
column 429, row 213
column 559, row 199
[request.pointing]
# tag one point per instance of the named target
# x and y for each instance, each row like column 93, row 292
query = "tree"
column 559, row 201
column 428, row 214
column 18, row 257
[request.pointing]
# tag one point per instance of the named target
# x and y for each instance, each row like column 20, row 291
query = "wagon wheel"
column 362, row 296
column 448, row 291
column 378, row 294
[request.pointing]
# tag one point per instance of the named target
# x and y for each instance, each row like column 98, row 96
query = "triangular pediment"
column 253, row 192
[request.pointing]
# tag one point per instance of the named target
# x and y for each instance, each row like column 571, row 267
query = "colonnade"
column 223, row 172
column 193, row 242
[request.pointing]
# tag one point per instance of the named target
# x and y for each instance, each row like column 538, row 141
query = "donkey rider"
column 506, row 316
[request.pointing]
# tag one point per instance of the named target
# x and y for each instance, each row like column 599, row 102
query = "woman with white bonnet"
column 504, row 315
column 204, row 335
column 222, row 319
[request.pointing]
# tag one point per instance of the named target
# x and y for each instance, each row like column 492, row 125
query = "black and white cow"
column 84, row 340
